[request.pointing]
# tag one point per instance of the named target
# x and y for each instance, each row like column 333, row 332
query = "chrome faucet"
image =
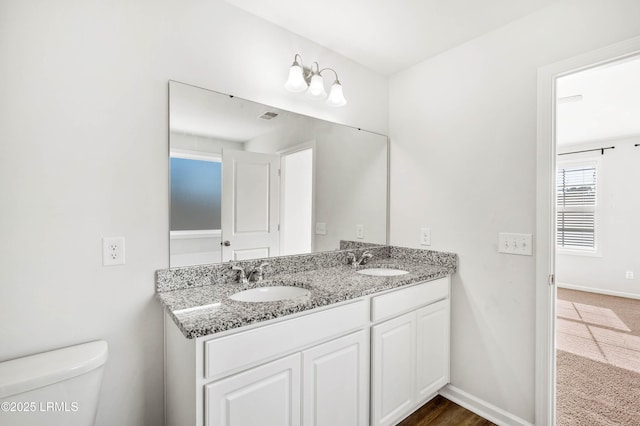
column 241, row 277
column 258, row 273
column 354, row 261
column 364, row 258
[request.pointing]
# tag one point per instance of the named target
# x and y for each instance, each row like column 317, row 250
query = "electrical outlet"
column 515, row 243
column 629, row 275
column 112, row 251
column 321, row 228
column 360, row 232
column 425, row 236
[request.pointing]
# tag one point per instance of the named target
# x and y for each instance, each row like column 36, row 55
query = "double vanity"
column 350, row 337
column 318, row 341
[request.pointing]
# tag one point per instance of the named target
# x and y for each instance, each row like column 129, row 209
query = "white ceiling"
column 610, row 104
column 388, row 36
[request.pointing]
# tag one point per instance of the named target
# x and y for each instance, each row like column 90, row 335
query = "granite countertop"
column 205, row 310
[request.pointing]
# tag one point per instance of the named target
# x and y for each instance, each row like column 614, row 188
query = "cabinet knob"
column 225, row 243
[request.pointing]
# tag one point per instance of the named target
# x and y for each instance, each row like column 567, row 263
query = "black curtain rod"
column 590, row 150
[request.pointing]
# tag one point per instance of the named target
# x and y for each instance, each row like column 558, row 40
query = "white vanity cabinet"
column 368, row 361
column 393, row 374
column 264, row 395
column 410, row 351
column 310, row 368
column 336, row 382
column 433, row 349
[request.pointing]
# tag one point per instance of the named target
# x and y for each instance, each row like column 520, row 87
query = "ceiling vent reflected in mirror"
column 268, row 115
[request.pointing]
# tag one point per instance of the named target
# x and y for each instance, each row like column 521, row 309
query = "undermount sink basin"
column 269, row 294
column 382, row 272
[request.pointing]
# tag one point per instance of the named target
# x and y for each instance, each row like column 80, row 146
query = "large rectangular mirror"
column 248, row 180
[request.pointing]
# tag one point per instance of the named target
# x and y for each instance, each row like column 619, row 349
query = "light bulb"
column 296, row 83
column 316, row 87
column 336, row 97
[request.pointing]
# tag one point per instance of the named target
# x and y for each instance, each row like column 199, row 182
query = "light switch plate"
column 360, row 232
column 510, row 243
column 321, row 228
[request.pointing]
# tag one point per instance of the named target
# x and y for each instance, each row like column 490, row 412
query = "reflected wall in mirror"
column 250, row 181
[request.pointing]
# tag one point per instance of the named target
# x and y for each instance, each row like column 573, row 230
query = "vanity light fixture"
column 310, row 80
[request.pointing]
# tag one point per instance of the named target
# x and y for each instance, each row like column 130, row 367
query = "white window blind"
column 576, row 195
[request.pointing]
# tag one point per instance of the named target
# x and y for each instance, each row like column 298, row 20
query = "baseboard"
column 482, row 408
column 599, row 291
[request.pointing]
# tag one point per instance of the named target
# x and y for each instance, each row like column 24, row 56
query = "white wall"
column 351, row 187
column 619, row 231
column 83, row 125
column 463, row 130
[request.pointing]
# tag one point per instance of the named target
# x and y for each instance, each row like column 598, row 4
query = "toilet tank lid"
column 36, row 371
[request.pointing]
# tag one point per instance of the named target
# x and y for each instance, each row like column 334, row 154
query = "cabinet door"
column 336, row 378
column 432, row 366
column 393, row 369
column 268, row 395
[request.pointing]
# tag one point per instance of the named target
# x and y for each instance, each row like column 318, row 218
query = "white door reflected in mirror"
column 250, row 201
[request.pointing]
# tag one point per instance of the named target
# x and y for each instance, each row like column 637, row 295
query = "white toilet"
column 59, row 387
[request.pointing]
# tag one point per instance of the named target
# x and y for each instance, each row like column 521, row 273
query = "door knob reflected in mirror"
column 225, row 243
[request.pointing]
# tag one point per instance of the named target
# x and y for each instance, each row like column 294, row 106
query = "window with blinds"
column 576, row 197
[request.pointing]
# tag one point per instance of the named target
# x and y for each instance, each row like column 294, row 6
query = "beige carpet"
column 598, row 369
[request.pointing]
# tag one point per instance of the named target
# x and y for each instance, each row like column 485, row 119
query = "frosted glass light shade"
column 296, row 83
column 316, row 87
column 336, row 97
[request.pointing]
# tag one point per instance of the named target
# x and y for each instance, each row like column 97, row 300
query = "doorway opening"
column 597, row 206
column 297, row 200
column 547, row 211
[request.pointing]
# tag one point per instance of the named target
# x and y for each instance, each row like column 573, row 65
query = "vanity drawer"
column 397, row 302
column 247, row 348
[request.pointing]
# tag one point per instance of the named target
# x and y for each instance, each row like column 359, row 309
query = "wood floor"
column 441, row 411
